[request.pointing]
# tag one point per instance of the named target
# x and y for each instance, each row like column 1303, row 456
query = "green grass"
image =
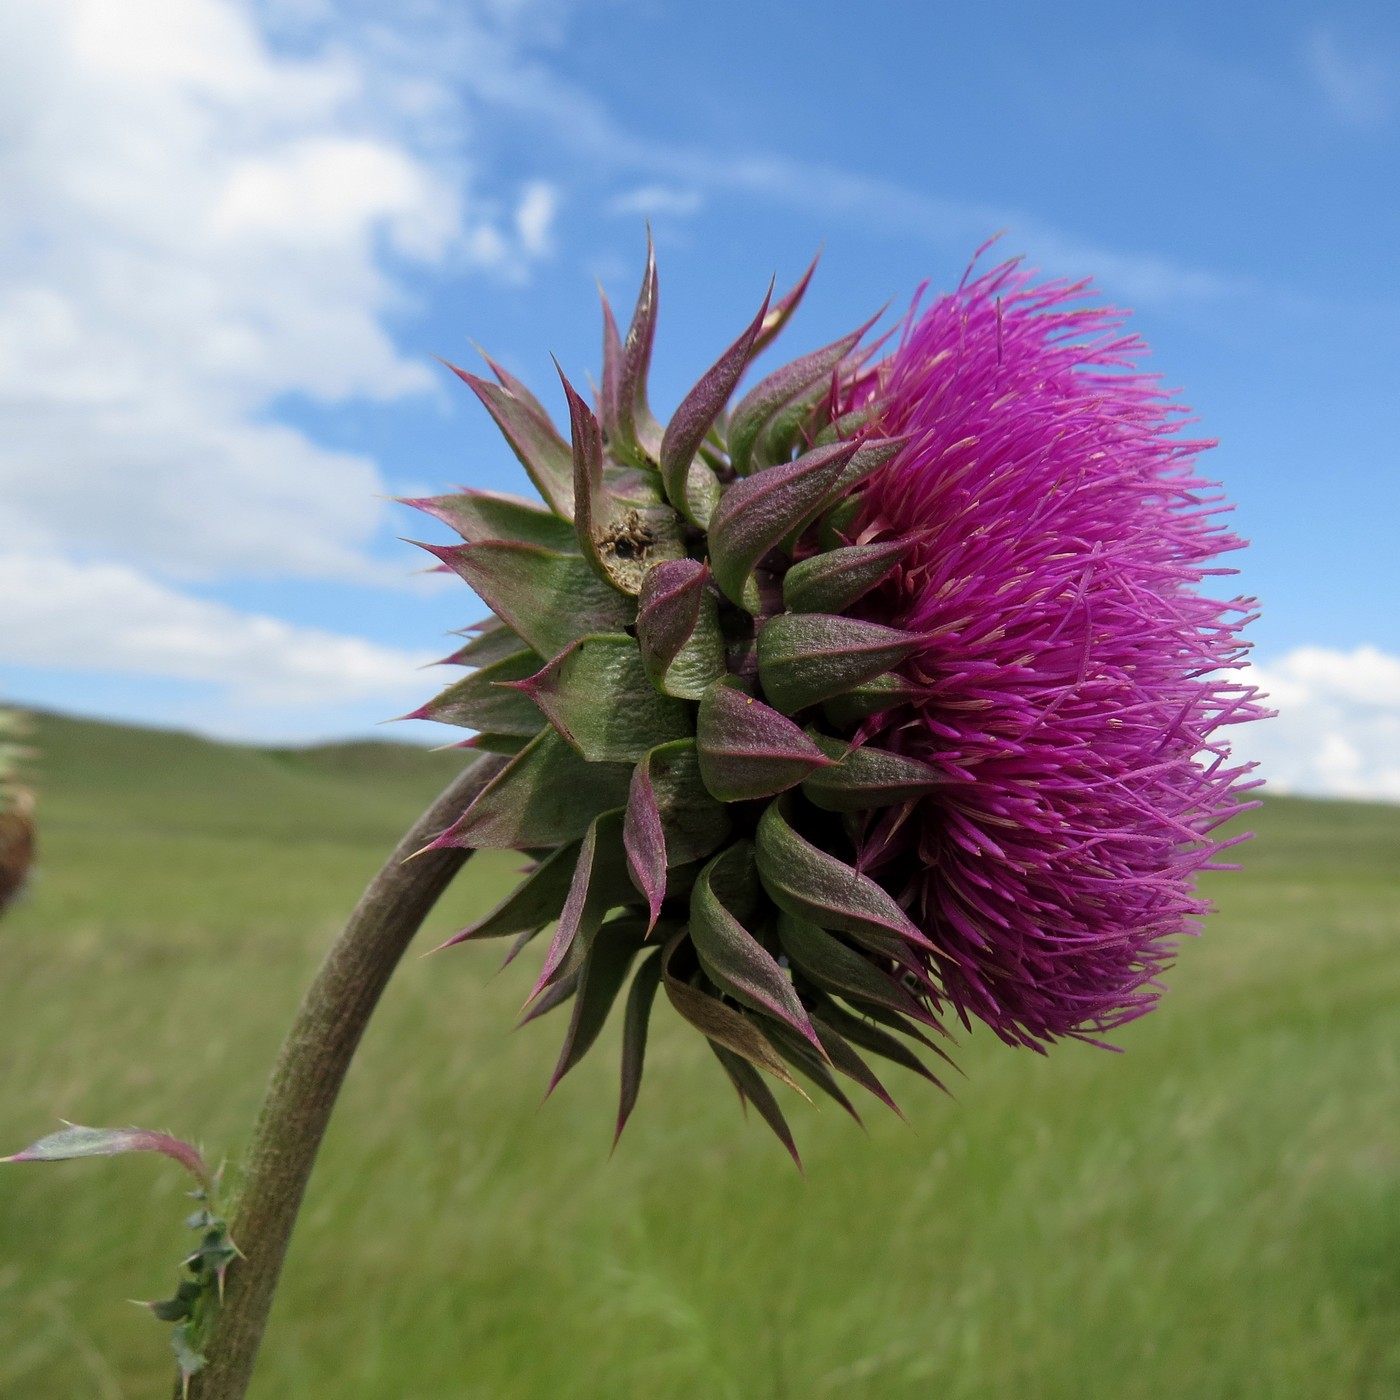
column 1215, row 1213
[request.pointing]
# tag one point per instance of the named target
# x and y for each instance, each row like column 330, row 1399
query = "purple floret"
column 1074, row 682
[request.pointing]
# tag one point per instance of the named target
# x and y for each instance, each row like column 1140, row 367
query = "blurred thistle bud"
column 882, row 694
column 16, row 808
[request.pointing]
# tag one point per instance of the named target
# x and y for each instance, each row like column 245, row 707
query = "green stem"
column 307, row 1077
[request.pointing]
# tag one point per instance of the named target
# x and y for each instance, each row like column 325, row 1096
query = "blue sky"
column 235, row 234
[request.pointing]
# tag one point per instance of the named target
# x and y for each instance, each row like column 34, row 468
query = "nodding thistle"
column 880, row 696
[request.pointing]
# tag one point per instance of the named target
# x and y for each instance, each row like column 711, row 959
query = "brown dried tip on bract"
column 17, row 839
column 747, row 740
column 626, row 545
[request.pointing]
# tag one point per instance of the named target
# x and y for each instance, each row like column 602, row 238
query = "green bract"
column 670, row 669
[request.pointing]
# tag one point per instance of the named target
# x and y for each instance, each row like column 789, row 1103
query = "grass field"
column 1215, row 1213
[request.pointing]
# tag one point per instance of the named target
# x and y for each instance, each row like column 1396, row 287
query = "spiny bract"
column 883, row 691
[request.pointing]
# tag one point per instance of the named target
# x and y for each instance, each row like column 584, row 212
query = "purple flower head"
column 878, row 689
column 1069, row 678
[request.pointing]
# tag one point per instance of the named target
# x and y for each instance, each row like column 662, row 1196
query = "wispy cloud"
column 1358, row 86
column 657, row 200
column 534, row 218
column 667, row 177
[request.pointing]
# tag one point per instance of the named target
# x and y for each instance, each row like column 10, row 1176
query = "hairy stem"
column 307, row 1077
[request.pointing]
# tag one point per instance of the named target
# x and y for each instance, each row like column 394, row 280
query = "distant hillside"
column 92, row 772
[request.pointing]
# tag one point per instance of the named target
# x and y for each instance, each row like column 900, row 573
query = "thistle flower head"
column 1067, row 664
column 881, row 692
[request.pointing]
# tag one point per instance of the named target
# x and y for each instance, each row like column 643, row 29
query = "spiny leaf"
column 550, row 599
column 753, row 1090
column 534, row 440
column 841, row 506
column 597, row 695
column 621, row 539
column 693, row 822
column 848, row 425
column 839, row 520
column 699, row 409
column 872, row 454
column 748, row 750
column 800, row 419
column 739, row 964
column 589, row 502
column 178, row 1308
column 515, row 387
column 812, row 1064
column 827, row 1015
column 545, row 796
column 878, row 1011
column 733, row 877
column 521, row 942
column 559, row 991
column 491, row 641
column 537, row 900
column 863, row 778
column 645, row 841
column 601, row 975
column 781, row 312
column 635, row 486
column 600, row 882
column 188, row 1358
column 74, row 1140
column 870, row 697
column 754, row 515
column 486, row 700
column 678, row 628
column 766, row 399
column 633, row 434
column 814, row 885
column 507, row 744
column 849, row 1063
column 668, row 609
column 804, row 658
column 489, row 515
column 724, row 1024
column 830, row 582
column 636, row 1019
column 831, row 965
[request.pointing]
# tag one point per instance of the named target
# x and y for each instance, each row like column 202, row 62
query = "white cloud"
column 193, row 227
column 1338, row 728
column 657, row 200
column 1358, row 86
column 534, row 217
column 108, row 617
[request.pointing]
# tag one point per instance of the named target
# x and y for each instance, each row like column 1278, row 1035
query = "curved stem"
column 307, row 1077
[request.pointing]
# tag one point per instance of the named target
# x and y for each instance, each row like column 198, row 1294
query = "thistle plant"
column 16, row 808
column 833, row 714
